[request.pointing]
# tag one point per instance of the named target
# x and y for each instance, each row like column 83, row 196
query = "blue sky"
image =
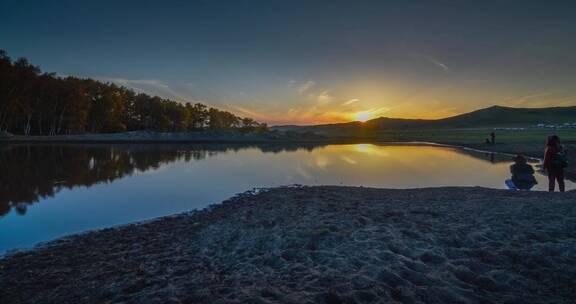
column 310, row 61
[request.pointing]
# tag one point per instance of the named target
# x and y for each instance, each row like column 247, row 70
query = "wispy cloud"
column 150, row 86
column 251, row 113
column 535, row 99
column 310, row 90
column 246, row 111
column 131, row 82
column 307, row 115
column 351, row 101
column 303, row 88
column 539, row 99
column 437, row 62
column 349, row 160
column 373, row 113
column 445, row 112
column 324, row 97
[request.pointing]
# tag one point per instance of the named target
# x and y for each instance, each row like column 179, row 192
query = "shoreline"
column 315, row 244
column 531, row 149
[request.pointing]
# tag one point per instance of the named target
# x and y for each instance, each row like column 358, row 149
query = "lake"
column 48, row 191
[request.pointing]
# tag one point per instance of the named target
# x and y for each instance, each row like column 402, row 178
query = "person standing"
column 493, row 137
column 554, row 163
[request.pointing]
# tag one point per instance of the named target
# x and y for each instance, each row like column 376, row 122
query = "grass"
column 467, row 136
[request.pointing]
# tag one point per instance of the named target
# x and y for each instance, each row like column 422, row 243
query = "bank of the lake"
column 531, row 149
column 319, row 245
column 207, row 136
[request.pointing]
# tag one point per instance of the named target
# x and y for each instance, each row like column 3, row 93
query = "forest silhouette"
column 36, row 103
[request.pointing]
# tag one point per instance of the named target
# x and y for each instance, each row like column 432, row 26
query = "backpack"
column 559, row 161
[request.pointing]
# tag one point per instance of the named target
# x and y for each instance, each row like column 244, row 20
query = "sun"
column 365, row 115
column 362, row 116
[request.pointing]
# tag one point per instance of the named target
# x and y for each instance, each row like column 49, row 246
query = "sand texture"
column 319, row 245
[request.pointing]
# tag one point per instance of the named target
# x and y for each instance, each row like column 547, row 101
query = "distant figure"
column 493, row 137
column 555, row 162
column 488, row 141
column 522, row 175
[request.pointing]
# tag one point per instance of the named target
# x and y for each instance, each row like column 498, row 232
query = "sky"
column 309, row 62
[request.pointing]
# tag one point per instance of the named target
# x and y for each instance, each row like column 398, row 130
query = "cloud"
column 436, row 62
column 351, row 101
column 445, row 112
column 374, row 112
column 531, row 99
column 251, row 113
column 302, row 89
column 349, row 160
column 306, row 115
column 324, row 97
column 132, row 82
column 246, row 111
column 538, row 100
column 150, row 86
column 308, row 90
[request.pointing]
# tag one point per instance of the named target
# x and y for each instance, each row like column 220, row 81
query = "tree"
column 44, row 104
column 198, row 116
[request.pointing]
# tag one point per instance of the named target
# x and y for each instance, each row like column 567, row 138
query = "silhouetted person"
column 555, row 162
column 493, row 137
column 522, row 175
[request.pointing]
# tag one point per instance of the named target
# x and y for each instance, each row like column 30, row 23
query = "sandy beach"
column 319, row 245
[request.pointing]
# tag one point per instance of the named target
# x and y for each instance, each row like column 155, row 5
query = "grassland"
column 458, row 136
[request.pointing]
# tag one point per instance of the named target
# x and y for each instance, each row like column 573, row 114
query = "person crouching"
column 522, row 175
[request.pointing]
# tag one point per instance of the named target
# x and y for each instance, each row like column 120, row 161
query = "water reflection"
column 34, row 172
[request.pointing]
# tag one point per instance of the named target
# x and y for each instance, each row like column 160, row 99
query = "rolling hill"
column 495, row 116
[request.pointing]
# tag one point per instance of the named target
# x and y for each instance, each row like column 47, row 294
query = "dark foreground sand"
column 319, row 245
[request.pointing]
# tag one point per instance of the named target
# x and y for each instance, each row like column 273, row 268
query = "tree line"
column 36, row 103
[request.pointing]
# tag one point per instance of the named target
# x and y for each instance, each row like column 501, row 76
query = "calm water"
column 47, row 191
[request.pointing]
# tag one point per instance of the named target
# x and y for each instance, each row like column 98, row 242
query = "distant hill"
column 495, row 116
column 498, row 116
